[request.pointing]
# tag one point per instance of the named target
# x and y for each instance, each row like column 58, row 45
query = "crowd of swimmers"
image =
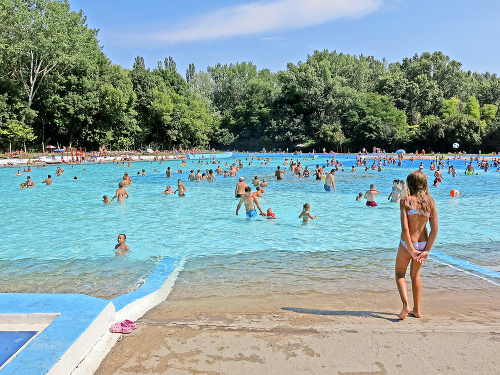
column 416, row 205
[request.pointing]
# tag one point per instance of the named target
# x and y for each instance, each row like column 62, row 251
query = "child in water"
column 121, row 248
column 105, row 199
column 270, row 214
column 415, row 243
column 359, row 197
column 305, row 215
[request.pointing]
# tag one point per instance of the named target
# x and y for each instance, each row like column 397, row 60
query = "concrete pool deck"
column 73, row 329
column 320, row 334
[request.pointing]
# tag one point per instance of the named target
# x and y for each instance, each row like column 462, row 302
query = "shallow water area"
column 61, row 238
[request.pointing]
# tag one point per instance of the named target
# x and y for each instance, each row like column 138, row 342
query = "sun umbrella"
column 149, row 150
column 51, row 147
column 400, row 151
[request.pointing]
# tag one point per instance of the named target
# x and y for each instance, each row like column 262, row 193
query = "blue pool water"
column 11, row 342
column 61, row 238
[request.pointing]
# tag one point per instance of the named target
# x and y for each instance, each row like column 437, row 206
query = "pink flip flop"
column 120, row 328
column 130, row 323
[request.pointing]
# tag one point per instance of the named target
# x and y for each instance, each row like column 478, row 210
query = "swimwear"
column 328, row 188
column 393, row 200
column 371, row 204
column 239, row 195
column 414, row 211
column 419, row 246
column 251, row 213
column 470, row 173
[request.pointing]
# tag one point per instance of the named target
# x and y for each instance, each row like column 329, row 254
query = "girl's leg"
column 402, row 260
column 416, row 287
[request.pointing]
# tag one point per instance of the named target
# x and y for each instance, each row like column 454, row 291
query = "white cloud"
column 262, row 17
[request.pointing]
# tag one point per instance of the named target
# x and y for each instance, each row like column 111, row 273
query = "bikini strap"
column 411, row 203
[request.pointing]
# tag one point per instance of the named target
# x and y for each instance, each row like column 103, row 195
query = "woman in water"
column 415, row 243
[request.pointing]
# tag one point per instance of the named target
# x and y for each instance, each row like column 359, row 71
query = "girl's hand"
column 422, row 257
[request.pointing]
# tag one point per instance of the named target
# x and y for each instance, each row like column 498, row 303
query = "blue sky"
column 272, row 33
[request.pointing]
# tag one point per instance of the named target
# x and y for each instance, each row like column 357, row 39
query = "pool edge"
column 88, row 318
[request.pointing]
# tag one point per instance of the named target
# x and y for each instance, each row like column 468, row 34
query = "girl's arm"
column 405, row 231
column 433, row 221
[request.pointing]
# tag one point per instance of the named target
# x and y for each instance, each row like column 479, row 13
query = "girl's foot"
column 415, row 314
column 404, row 312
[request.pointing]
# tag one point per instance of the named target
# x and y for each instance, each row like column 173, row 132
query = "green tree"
column 488, row 113
column 450, row 108
column 45, row 38
column 472, row 108
column 17, row 132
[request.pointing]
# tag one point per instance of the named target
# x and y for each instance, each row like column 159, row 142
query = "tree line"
column 58, row 87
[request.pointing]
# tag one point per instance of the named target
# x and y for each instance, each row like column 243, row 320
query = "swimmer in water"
column 105, row 199
column 121, row 248
column 305, row 214
column 415, row 243
column 121, row 194
column 48, row 180
column 370, row 196
column 250, row 200
column 270, row 214
column 168, row 191
column 330, row 181
column 359, row 197
column 396, row 190
column 180, row 188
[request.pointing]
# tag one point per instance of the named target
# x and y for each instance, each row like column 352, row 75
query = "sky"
column 273, row 33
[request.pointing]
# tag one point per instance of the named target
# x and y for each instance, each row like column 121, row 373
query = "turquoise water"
column 61, row 238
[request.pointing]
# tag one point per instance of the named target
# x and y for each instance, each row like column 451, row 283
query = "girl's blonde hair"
column 307, row 206
column 417, row 184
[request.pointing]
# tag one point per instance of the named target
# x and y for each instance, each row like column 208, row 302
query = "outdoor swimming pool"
column 61, row 238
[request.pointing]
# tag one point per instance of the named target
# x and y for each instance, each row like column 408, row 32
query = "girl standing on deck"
column 415, row 243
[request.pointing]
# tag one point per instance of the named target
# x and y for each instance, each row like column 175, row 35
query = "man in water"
column 370, row 196
column 438, row 174
column 330, row 181
column 279, row 173
column 470, row 169
column 249, row 199
column 168, row 172
column 48, row 180
column 181, row 189
column 121, row 194
column 240, row 188
column 256, row 181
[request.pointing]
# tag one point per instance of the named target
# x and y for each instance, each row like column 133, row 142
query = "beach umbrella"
column 400, row 151
column 149, row 150
column 50, row 146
